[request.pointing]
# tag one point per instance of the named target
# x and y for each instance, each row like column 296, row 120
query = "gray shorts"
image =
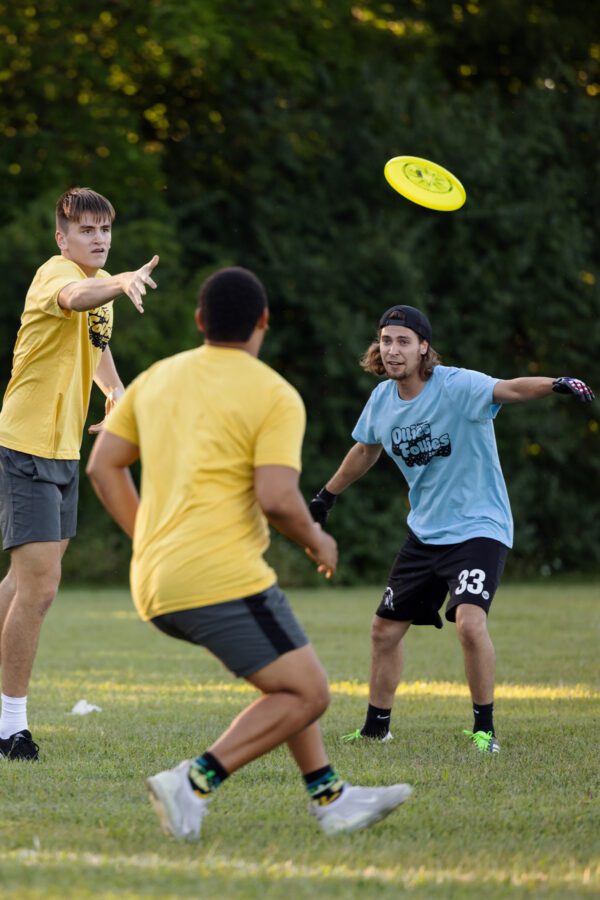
column 38, row 498
column 246, row 634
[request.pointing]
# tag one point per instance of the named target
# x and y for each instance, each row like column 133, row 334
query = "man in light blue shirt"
column 436, row 423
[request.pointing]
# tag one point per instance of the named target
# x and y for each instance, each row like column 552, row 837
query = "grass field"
column 527, row 823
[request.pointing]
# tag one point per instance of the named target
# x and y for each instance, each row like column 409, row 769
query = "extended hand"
column 112, row 398
column 568, row 385
column 134, row 283
column 324, row 553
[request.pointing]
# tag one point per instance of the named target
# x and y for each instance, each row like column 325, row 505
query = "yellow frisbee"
column 425, row 182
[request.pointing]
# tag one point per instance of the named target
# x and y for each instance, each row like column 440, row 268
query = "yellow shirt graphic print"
column 100, row 326
column 55, row 357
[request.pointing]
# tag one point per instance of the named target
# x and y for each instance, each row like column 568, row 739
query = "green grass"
column 78, row 824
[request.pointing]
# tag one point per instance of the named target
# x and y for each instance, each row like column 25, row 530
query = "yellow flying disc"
column 425, row 182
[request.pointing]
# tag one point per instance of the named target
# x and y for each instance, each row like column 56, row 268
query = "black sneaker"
column 19, row 746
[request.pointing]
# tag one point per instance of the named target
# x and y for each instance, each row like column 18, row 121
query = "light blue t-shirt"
column 443, row 442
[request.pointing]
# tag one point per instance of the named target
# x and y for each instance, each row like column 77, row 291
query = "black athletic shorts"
column 423, row 574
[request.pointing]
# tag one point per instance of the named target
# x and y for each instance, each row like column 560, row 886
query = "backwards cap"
column 409, row 317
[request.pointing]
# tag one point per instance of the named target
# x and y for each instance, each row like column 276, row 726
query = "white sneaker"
column 359, row 807
column 179, row 809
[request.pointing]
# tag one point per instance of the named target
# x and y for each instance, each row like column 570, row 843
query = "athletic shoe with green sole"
column 485, row 741
column 359, row 736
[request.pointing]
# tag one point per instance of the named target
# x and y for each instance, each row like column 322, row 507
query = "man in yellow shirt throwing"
column 219, row 435
column 61, row 348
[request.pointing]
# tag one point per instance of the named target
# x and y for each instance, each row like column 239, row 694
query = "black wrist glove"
column 567, row 385
column 321, row 505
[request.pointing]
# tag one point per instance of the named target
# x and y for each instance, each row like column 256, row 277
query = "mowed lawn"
column 526, row 823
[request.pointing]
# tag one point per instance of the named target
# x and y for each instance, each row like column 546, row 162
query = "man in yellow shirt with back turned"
column 61, row 348
column 219, row 435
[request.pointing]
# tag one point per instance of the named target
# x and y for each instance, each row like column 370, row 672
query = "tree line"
column 256, row 134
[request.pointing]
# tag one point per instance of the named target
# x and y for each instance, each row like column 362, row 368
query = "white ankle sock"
column 13, row 717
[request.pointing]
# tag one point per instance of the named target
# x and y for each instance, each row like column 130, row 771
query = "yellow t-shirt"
column 203, row 421
column 55, row 358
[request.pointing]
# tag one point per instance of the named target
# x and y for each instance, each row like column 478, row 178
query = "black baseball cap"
column 409, row 317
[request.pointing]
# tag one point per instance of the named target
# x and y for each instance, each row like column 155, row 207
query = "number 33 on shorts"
column 472, row 581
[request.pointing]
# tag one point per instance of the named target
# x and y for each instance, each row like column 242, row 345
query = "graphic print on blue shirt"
column 443, row 443
column 416, row 445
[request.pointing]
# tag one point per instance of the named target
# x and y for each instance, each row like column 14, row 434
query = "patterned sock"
column 483, row 714
column 206, row 774
column 377, row 723
column 323, row 785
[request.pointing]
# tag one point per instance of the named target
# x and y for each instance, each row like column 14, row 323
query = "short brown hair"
column 77, row 201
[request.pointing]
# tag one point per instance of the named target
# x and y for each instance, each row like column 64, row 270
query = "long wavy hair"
column 371, row 360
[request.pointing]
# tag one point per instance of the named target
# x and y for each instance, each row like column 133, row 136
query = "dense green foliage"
column 257, row 134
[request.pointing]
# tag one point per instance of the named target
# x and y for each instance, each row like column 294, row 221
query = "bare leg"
column 387, row 658
column 36, row 572
column 8, row 589
column 295, row 694
column 480, row 657
column 307, row 749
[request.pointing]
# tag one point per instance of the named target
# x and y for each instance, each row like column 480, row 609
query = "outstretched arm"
column 519, row 389
column 92, row 292
column 355, row 464
column 357, row 461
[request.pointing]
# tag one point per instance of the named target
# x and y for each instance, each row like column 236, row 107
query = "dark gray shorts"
column 38, row 498
column 246, row 634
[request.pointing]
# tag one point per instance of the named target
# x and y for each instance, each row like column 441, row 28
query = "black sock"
column 484, row 717
column 377, row 723
column 206, row 774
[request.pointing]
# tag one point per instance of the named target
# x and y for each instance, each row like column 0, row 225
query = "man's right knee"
column 299, row 673
column 313, row 690
column 320, row 698
column 37, row 571
column 386, row 634
column 38, row 596
column 38, row 589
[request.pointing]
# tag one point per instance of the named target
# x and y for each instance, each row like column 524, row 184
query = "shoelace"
column 353, row 736
column 481, row 739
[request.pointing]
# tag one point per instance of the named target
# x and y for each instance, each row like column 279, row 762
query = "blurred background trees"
column 256, row 134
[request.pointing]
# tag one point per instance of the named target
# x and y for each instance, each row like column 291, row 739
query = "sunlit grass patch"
column 78, row 824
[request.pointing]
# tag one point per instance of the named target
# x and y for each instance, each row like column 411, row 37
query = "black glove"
column 321, row 505
column 567, row 385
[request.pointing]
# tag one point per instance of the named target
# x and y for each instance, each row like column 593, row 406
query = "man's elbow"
column 94, row 471
column 70, row 300
column 273, row 508
column 275, row 505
